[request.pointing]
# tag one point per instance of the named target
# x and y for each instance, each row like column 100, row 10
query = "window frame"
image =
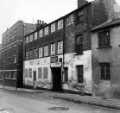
column 60, row 24
column 105, row 71
column 53, row 27
column 104, row 39
column 53, row 49
column 46, row 30
column 46, row 51
column 59, row 48
column 40, row 51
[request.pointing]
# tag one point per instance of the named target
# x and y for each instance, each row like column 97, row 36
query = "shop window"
column 41, row 33
column 46, row 52
column 40, row 52
column 30, row 73
column 39, row 73
column 45, row 70
column 60, row 47
column 80, row 74
column 53, row 49
column 104, row 39
column 60, row 24
column 79, row 44
column 70, row 20
column 105, row 71
column 46, row 31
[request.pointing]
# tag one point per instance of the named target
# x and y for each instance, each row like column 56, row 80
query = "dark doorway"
column 56, row 79
column 80, row 74
column 34, row 75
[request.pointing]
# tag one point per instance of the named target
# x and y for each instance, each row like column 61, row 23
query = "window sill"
column 105, row 47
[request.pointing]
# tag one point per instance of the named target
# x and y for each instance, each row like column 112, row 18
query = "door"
column 34, row 79
column 80, row 74
column 56, row 79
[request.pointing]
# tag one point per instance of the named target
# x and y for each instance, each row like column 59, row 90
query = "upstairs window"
column 60, row 47
column 35, row 53
column 40, row 52
column 31, row 38
column 80, row 17
column 53, row 49
column 105, row 71
column 70, row 20
column 35, row 36
column 46, row 31
column 79, row 44
column 41, row 33
column 60, row 24
column 104, row 39
column 27, row 39
column 52, row 27
column 46, row 51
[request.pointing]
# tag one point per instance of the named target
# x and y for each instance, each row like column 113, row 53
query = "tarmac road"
column 15, row 102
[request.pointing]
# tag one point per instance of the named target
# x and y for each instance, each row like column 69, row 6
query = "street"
column 15, row 102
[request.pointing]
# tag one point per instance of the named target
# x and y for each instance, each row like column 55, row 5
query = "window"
column 30, row 73
column 27, row 55
column 39, row 73
column 35, row 53
column 40, row 52
column 53, row 49
column 80, row 17
column 65, row 74
column 105, row 71
column 70, row 20
column 104, row 39
column 79, row 44
column 80, row 74
column 52, row 27
column 60, row 47
column 46, row 30
column 60, row 24
column 46, row 51
column 45, row 72
column 31, row 38
column 41, row 33
column 35, row 36
column 27, row 39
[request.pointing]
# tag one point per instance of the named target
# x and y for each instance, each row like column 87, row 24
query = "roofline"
column 108, row 25
column 85, row 5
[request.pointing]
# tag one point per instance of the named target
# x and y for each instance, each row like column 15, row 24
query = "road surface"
column 14, row 102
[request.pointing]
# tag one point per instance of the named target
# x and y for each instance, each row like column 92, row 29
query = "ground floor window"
column 45, row 70
column 105, row 71
column 39, row 73
column 80, row 73
column 65, row 74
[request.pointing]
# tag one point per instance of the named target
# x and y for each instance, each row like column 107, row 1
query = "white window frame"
column 41, row 33
column 53, row 27
column 60, row 24
column 53, row 48
column 35, row 36
column 70, row 20
column 40, row 52
column 46, row 51
column 46, row 30
column 60, row 47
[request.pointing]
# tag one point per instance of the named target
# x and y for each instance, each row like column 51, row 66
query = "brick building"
column 58, row 56
column 11, row 60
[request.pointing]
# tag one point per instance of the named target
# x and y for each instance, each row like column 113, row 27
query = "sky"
column 31, row 10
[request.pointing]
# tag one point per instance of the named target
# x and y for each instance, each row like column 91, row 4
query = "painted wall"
column 112, row 55
column 71, row 61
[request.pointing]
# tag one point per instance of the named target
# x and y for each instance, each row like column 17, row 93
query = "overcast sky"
column 31, row 10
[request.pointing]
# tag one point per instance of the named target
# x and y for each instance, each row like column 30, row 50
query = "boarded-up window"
column 39, row 73
column 45, row 70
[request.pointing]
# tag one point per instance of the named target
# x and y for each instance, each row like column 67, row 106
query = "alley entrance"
column 56, row 79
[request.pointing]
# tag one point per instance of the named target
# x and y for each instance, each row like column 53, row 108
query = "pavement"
column 92, row 100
